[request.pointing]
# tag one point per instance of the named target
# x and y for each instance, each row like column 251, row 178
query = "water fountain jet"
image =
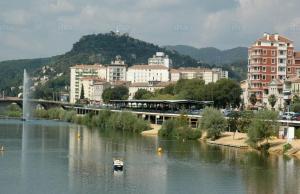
column 26, row 111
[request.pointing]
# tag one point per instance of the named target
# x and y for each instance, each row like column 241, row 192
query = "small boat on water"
column 118, row 165
column 1, row 149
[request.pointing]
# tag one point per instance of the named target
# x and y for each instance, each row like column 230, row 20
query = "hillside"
column 212, row 55
column 233, row 60
column 90, row 49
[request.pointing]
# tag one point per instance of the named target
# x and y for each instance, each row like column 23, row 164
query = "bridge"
column 46, row 104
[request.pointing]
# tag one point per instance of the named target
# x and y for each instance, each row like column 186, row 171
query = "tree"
column 295, row 107
column 142, row 94
column 82, row 92
column 116, row 93
column 253, row 99
column 262, row 127
column 272, row 100
column 213, row 122
column 226, row 93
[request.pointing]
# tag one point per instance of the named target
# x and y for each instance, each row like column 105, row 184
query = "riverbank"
column 238, row 140
column 153, row 132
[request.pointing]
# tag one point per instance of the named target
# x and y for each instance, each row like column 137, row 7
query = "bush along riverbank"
column 106, row 119
column 179, row 128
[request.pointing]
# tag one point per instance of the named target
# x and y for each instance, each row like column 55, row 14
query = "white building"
column 116, row 71
column 93, row 88
column 150, row 86
column 160, row 59
column 146, row 73
column 80, row 71
column 208, row 75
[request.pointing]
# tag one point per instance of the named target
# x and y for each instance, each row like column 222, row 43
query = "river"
column 48, row 157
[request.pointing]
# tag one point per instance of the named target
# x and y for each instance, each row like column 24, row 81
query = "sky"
column 43, row 28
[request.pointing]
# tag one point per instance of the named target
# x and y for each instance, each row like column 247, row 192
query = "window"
column 265, row 61
column 259, row 43
column 280, row 60
column 273, row 77
column 264, row 69
column 265, row 52
column 289, row 70
column 273, row 53
column 264, row 77
column 273, row 69
column 273, row 61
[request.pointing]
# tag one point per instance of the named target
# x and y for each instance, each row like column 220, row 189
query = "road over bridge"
column 46, row 104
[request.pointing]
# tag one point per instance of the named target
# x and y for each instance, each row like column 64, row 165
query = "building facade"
column 270, row 57
column 208, row 75
column 160, row 58
column 81, row 71
column 150, row 86
column 147, row 73
column 116, row 71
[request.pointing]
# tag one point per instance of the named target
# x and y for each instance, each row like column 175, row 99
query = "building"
column 208, row 75
column 275, row 87
column 244, row 96
column 150, row 86
column 160, row 59
column 93, row 88
column 116, row 71
column 81, row 71
column 270, row 57
column 147, row 73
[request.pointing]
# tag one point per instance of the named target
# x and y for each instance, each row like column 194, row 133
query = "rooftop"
column 148, row 67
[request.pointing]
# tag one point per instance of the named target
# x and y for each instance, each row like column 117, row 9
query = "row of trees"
column 123, row 121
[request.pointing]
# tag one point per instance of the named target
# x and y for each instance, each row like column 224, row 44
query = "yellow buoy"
column 159, row 149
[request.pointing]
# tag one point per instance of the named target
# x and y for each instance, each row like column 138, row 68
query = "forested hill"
column 213, row 55
column 102, row 48
column 90, row 49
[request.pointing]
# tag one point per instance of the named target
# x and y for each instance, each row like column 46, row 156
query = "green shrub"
column 213, row 122
column 262, row 126
column 286, row 147
column 178, row 128
column 297, row 133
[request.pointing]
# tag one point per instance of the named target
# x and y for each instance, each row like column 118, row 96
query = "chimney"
column 276, row 36
column 267, row 35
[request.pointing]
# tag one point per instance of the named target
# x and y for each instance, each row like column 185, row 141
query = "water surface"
column 55, row 157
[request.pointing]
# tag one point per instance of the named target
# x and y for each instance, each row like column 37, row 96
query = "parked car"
column 287, row 115
column 296, row 116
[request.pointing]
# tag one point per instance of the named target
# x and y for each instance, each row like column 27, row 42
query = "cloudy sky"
column 41, row 28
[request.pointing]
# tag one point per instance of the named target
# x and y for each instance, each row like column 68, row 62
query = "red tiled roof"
column 272, row 39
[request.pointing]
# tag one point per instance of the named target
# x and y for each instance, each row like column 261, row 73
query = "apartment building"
column 150, row 86
column 208, row 75
column 81, row 71
column 93, row 88
column 270, row 57
column 160, row 58
column 146, row 73
column 116, row 71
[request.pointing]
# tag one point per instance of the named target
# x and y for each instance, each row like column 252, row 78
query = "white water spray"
column 26, row 110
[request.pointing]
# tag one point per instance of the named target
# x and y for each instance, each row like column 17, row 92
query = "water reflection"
column 52, row 157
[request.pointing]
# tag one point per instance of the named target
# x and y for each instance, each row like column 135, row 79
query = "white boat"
column 118, row 165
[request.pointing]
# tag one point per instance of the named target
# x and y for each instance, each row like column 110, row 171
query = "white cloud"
column 61, row 6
